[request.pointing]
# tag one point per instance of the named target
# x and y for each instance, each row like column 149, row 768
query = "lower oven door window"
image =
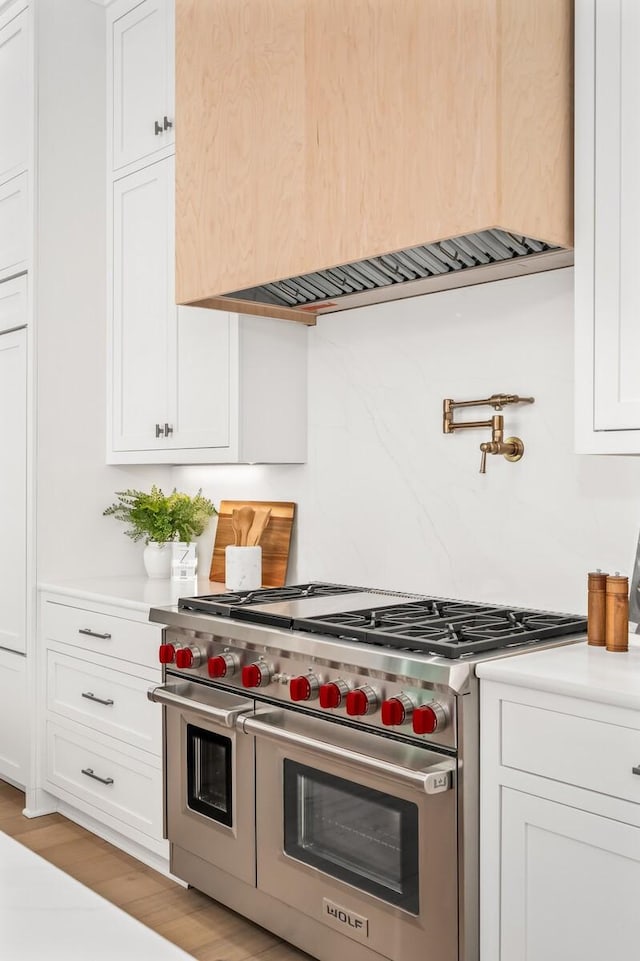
column 209, row 777
column 353, row 833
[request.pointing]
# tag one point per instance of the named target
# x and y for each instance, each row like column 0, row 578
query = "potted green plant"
column 161, row 519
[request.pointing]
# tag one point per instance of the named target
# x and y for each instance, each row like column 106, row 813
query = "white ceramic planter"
column 157, row 559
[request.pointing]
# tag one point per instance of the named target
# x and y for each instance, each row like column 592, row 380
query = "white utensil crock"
column 242, row 568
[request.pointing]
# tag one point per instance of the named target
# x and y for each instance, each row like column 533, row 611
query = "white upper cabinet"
column 143, row 96
column 607, row 214
column 140, row 307
column 16, row 116
column 190, row 385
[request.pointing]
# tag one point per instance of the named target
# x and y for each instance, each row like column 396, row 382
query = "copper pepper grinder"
column 617, row 613
column 597, row 609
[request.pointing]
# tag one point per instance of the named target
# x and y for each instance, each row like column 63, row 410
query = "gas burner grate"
column 227, row 604
column 446, row 628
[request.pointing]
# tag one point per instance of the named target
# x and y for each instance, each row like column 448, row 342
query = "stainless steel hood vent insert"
column 402, row 267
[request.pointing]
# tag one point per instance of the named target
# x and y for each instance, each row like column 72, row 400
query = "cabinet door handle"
column 90, row 696
column 96, row 777
column 159, row 430
column 167, row 123
column 168, row 430
column 636, row 769
column 89, row 633
column 158, row 128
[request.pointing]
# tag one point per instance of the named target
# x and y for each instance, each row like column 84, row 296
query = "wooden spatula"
column 260, row 521
column 245, row 520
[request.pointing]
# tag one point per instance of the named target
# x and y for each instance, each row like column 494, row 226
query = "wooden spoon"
column 260, row 521
column 234, row 524
column 245, row 520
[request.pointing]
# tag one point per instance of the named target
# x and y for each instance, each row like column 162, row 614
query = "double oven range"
column 322, row 757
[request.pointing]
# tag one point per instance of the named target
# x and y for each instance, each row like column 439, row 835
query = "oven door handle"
column 434, row 780
column 226, row 717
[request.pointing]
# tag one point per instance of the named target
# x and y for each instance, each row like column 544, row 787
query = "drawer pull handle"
column 90, row 696
column 96, row 777
column 636, row 769
column 103, row 637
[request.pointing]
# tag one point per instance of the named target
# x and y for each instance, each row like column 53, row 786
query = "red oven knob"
column 166, row 654
column 188, row 657
column 184, row 658
column 223, row 665
column 397, row 710
column 363, row 700
column 331, row 694
column 429, row 718
column 256, row 675
column 303, row 688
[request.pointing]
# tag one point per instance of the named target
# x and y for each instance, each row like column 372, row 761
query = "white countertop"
column 577, row 670
column 135, row 592
column 46, row 914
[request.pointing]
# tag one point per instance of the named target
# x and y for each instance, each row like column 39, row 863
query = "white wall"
column 74, row 485
column 388, row 500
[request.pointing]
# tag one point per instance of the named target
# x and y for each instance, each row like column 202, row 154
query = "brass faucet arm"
column 465, row 425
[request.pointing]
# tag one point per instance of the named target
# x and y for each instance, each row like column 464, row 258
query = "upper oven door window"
column 209, row 774
column 352, row 832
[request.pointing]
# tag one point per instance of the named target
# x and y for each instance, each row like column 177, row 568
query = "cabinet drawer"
column 111, row 702
column 133, row 789
column 581, row 751
column 92, row 631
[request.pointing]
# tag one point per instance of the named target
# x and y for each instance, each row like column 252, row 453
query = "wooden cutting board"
column 275, row 541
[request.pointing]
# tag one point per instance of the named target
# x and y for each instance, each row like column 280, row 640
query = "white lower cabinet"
column 570, row 882
column 14, row 720
column 102, row 737
column 560, row 827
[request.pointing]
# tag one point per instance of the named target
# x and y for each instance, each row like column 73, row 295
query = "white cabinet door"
column 171, row 366
column 142, row 279
column 199, row 378
column 570, row 883
column 14, row 733
column 617, row 212
column 13, row 481
column 200, row 366
column 143, row 82
column 15, row 94
column 14, row 223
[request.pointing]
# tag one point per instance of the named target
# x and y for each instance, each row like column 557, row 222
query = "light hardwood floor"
column 191, row 920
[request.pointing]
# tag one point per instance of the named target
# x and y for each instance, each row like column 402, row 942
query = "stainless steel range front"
column 321, row 761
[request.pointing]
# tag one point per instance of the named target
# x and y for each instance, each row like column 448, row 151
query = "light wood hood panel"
column 314, row 133
column 403, row 147
column 240, row 126
column 536, row 117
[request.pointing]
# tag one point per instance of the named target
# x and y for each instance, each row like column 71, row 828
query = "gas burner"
column 228, row 604
column 447, row 628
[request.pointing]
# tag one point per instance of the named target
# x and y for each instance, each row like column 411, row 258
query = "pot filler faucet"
column 512, row 449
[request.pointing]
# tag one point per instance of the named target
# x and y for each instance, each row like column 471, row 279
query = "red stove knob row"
column 362, row 701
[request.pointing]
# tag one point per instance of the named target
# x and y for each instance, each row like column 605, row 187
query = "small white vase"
column 157, row 559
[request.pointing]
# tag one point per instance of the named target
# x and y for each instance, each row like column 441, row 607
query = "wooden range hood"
column 334, row 153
